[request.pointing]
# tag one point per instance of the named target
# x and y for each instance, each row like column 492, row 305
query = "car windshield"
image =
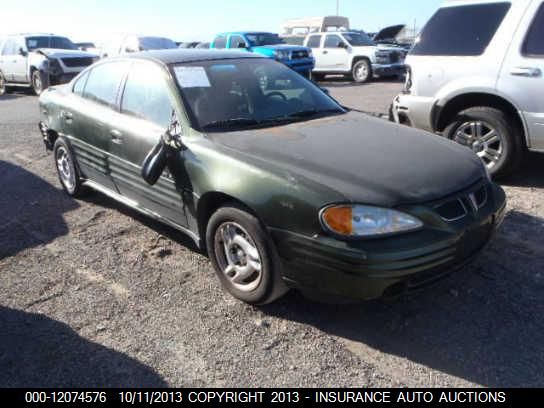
column 156, row 43
column 358, row 39
column 260, row 39
column 239, row 94
column 60, row 43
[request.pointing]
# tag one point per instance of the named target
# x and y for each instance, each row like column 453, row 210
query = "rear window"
column 461, row 30
column 534, row 43
column 220, row 42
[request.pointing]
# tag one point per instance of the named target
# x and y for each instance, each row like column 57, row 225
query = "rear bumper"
column 388, row 69
column 366, row 271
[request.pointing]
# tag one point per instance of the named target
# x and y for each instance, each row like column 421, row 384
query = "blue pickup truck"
column 270, row 45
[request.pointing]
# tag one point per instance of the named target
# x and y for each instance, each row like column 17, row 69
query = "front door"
column 335, row 54
column 522, row 76
column 146, row 111
column 20, row 63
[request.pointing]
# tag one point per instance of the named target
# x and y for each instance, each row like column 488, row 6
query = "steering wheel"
column 276, row 93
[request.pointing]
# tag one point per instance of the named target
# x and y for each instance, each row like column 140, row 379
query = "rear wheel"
column 317, row 77
column 491, row 134
column 244, row 257
column 67, row 169
column 361, row 71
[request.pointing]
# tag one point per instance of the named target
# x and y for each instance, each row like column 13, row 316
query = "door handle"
column 66, row 115
column 116, row 136
column 325, row 52
column 530, row 72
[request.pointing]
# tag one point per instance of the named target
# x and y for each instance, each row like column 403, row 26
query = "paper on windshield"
column 192, row 77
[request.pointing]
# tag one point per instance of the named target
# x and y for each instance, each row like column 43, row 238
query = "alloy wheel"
column 65, row 168
column 483, row 139
column 37, row 82
column 2, row 84
column 238, row 257
column 361, row 72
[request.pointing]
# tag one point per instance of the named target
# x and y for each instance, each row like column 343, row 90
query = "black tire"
column 39, row 81
column 317, row 77
column 269, row 285
column 3, row 87
column 74, row 187
column 361, row 71
column 510, row 144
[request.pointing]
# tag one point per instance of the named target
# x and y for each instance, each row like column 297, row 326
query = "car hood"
column 56, row 53
column 389, row 33
column 365, row 159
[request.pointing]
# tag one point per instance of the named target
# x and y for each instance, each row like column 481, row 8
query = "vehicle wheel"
column 3, row 88
column 361, row 71
column 244, row 257
column 40, row 82
column 490, row 134
column 67, row 169
column 317, row 77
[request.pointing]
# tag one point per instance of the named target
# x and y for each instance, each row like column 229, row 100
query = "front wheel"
column 361, row 71
column 491, row 134
column 243, row 256
column 40, row 82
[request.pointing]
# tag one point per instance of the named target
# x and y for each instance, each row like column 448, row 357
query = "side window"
column 146, row 95
column 79, row 86
column 237, row 41
column 534, row 43
column 333, row 41
column 220, row 42
column 103, row 83
column 314, row 41
column 9, row 47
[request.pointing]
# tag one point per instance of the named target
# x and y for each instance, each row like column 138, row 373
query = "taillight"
column 408, row 83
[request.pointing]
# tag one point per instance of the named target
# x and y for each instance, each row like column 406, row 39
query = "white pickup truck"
column 353, row 53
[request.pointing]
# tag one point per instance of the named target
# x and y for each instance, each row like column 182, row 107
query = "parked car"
column 281, row 185
column 269, row 45
column 394, row 36
column 203, row 45
column 295, row 30
column 134, row 43
column 476, row 77
column 39, row 60
column 354, row 54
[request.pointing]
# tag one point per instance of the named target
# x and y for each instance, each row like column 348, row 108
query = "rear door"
column 146, row 108
column 94, row 105
column 314, row 42
column 522, row 77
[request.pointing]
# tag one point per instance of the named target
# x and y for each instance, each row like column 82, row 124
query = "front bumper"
column 389, row 266
column 302, row 66
column 62, row 78
column 388, row 69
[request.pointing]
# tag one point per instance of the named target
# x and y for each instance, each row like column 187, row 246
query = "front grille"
column 395, row 57
column 77, row 62
column 459, row 207
column 299, row 54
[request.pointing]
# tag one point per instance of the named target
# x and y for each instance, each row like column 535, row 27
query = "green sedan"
column 282, row 186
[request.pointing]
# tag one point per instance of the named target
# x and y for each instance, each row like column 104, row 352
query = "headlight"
column 310, row 53
column 366, row 221
column 282, row 55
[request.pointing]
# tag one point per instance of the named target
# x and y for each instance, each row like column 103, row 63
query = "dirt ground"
column 93, row 294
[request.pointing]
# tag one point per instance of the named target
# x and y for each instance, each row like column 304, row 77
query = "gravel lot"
column 93, row 294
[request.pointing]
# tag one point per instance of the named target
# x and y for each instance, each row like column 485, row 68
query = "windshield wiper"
column 313, row 112
column 231, row 123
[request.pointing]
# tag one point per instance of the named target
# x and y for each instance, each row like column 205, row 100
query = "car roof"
column 245, row 32
column 180, row 55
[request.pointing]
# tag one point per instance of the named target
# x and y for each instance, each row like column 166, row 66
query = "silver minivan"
column 475, row 75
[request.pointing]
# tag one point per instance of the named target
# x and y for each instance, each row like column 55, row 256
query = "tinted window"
column 61, row 43
column 260, row 39
column 220, row 42
column 237, row 42
column 103, row 83
column 333, row 41
column 79, row 86
column 146, row 95
column 358, row 39
column 534, row 43
column 9, row 47
column 461, row 30
column 314, row 41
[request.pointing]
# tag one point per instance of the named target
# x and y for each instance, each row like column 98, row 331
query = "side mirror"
column 22, row 52
column 342, row 45
column 242, row 45
column 157, row 159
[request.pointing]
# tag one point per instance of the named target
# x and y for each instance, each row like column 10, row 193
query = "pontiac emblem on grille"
column 473, row 202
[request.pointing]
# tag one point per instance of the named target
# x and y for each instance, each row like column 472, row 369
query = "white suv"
column 355, row 54
column 475, row 76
